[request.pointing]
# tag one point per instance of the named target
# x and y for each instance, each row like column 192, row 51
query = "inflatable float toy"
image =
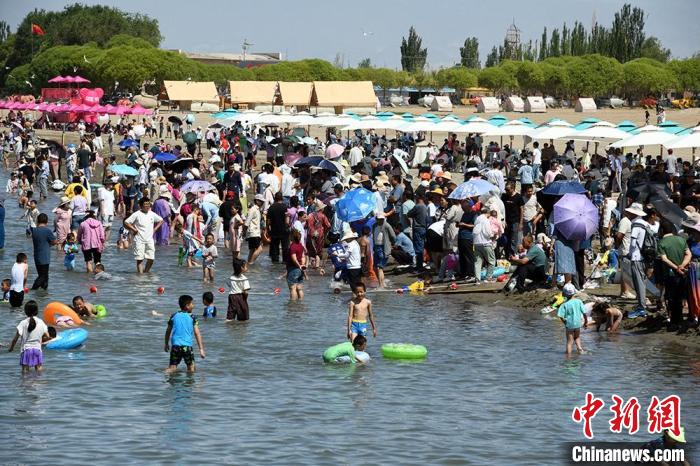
column 68, row 339
column 101, row 311
column 56, row 309
column 359, row 355
column 497, row 272
column 404, row 351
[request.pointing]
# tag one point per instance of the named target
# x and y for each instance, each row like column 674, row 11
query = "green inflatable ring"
column 404, row 351
column 101, row 311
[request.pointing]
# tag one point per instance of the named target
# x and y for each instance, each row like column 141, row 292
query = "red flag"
column 36, row 29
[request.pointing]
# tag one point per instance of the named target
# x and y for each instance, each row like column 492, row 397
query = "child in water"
column 605, row 313
column 100, row 273
column 18, row 282
column 182, row 329
column 31, row 331
column 123, row 240
column 6, row 290
column 209, row 308
column 359, row 310
column 346, row 349
column 84, row 309
column 573, row 314
column 238, row 296
column 190, row 244
column 209, row 255
column 70, row 249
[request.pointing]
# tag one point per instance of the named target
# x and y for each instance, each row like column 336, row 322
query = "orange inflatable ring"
column 52, row 310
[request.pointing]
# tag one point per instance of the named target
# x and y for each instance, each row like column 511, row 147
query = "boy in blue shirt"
column 182, row 327
column 573, row 313
column 209, row 308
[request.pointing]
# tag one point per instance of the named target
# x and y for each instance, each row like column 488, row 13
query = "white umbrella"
column 687, row 141
column 364, row 123
column 418, row 125
column 557, row 129
column 512, row 128
column 333, row 120
column 646, row 136
column 398, row 155
column 472, row 126
column 600, row 130
column 243, row 116
column 139, row 130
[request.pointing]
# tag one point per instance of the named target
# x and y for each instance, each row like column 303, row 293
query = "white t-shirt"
column 536, row 156
column 239, row 284
column 624, row 227
column 637, row 236
column 106, row 198
column 17, row 283
column 530, row 208
column 435, row 169
column 671, row 165
column 144, row 224
column 31, row 340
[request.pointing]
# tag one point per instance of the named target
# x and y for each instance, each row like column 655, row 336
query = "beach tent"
column 441, row 103
column 192, row 95
column 252, row 93
column 535, row 104
column 515, row 104
column 294, row 93
column 487, row 105
column 357, row 96
column 585, row 104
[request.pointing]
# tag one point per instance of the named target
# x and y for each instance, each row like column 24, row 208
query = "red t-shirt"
column 295, row 249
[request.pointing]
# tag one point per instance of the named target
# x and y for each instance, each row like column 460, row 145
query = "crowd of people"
column 209, row 195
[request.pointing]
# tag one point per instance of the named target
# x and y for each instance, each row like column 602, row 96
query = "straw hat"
column 444, row 175
column 259, row 197
column 138, row 161
column 437, row 191
column 163, row 192
column 636, row 209
column 382, row 180
column 161, row 180
column 64, row 200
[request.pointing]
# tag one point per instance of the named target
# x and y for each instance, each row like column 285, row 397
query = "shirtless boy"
column 360, row 310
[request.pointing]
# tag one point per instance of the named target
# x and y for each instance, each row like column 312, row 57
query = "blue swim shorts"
column 359, row 328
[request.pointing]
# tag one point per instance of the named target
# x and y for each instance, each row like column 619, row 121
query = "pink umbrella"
column 110, row 109
column 3, row 104
column 12, row 105
column 57, row 80
column 42, row 106
column 334, row 151
column 99, row 109
column 138, row 110
column 292, row 158
column 51, row 107
column 74, row 108
column 86, row 108
column 63, row 108
column 121, row 110
column 80, row 80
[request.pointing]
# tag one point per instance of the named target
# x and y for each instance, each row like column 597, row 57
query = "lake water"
column 494, row 389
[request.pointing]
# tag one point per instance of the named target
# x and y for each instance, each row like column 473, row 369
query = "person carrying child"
column 359, row 311
column 182, row 329
column 30, row 333
column 573, row 314
column 238, row 296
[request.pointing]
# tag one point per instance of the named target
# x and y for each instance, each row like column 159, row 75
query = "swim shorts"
column 144, row 250
column 254, row 243
column 576, row 332
column 178, row 353
column 359, row 328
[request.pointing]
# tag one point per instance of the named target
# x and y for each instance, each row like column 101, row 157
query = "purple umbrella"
column 292, row 158
column 197, row 186
column 575, row 217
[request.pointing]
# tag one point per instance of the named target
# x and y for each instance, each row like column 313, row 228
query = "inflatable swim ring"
column 101, row 311
column 68, row 339
column 359, row 355
column 404, row 351
column 59, row 309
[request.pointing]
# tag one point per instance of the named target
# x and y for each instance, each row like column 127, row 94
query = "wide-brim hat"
column 64, row 200
column 259, row 197
column 165, row 193
column 636, row 209
column 349, row 235
column 437, row 191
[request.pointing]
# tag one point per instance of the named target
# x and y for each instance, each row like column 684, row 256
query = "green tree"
column 593, row 75
column 470, row 53
column 554, row 44
column 543, row 46
column 643, row 77
column 687, row 73
column 565, row 41
column 492, row 58
column 423, row 80
column 413, row 57
column 365, row 63
column 497, row 79
column 530, row 77
column 457, row 77
column 578, row 39
column 627, row 34
column 17, row 81
column 555, row 80
column 652, row 48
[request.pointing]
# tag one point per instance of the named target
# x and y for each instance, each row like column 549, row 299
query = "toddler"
column 209, row 308
column 70, row 249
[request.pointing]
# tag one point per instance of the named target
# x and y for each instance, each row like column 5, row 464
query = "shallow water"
column 495, row 387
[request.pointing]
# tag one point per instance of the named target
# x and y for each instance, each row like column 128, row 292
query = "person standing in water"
column 182, row 329
column 30, row 332
column 143, row 223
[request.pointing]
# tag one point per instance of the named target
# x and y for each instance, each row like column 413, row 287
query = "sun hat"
column 636, row 209
column 349, row 234
column 64, row 200
column 165, row 193
column 678, row 438
column 382, row 179
column 691, row 225
column 381, row 216
column 214, row 151
column 260, row 197
column 446, row 175
column 437, row 191
column 569, row 290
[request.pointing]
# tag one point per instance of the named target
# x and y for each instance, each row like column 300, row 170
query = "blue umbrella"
column 356, row 204
column 472, row 188
column 123, row 170
column 197, row 186
column 551, row 193
column 165, row 157
column 312, row 161
column 126, row 143
column 328, row 165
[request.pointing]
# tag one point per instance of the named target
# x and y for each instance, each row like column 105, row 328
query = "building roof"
column 252, row 92
column 272, row 57
column 295, row 93
column 191, row 91
column 343, row 94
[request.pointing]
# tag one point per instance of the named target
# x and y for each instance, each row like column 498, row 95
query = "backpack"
column 648, row 248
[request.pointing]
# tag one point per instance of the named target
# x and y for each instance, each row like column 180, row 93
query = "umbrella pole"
column 596, row 148
column 694, row 155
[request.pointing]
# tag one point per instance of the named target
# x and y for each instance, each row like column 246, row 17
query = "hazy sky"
column 322, row 28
